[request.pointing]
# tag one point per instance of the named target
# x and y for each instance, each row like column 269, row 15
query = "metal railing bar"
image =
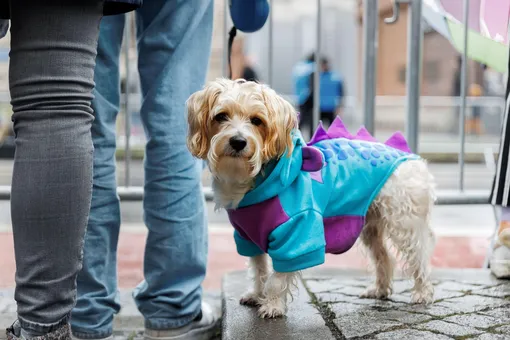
column 413, row 74
column 270, row 46
column 316, row 83
column 133, row 193
column 370, row 43
column 463, row 96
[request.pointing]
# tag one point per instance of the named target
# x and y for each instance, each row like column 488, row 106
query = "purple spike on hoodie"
column 319, row 135
column 338, row 130
column 398, row 141
column 363, row 134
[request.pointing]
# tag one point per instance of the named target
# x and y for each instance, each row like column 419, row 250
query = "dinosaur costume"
column 315, row 201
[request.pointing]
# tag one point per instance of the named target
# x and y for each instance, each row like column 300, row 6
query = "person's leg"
column 477, row 127
column 53, row 50
column 174, row 39
column 500, row 259
column 500, row 196
column 504, row 227
column 305, row 123
column 92, row 318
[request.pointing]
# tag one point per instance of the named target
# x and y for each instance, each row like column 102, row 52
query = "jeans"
column 53, row 51
column 174, row 39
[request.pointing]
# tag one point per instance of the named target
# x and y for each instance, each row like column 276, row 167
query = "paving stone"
column 480, row 277
column 332, row 297
column 442, row 294
column 318, row 286
column 302, row 321
column 410, row 334
column 4, row 304
column 362, row 324
column 473, row 303
column 475, row 320
column 504, row 329
column 447, row 328
column 458, row 286
column 352, row 290
column 439, row 295
column 347, row 308
column 388, row 313
column 336, row 297
column 489, row 336
column 501, row 291
column 7, row 302
column 499, row 313
column 434, row 310
column 400, row 286
column 404, row 317
column 404, row 298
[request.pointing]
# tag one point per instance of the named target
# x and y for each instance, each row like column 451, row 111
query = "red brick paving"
column 458, row 252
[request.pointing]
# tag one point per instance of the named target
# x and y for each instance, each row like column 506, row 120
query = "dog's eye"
column 256, row 121
column 221, row 117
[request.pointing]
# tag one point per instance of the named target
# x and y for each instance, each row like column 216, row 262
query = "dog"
column 245, row 131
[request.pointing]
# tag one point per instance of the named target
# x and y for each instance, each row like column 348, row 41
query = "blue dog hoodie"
column 315, row 200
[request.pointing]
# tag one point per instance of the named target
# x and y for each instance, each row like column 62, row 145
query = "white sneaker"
column 500, row 262
column 204, row 329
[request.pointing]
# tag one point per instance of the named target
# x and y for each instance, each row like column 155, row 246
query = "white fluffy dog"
column 240, row 127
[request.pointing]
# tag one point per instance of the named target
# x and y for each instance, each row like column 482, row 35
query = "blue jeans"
column 174, row 40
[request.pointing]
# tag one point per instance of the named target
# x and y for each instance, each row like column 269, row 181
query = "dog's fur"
column 400, row 213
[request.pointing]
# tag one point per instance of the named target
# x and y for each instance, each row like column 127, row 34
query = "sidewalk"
column 450, row 252
column 469, row 304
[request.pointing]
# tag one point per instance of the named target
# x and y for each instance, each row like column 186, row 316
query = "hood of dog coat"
column 278, row 175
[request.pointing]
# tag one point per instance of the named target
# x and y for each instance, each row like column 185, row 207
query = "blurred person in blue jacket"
column 331, row 92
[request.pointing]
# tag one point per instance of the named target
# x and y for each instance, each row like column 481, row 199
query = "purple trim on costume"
column 398, row 141
column 341, row 232
column 363, row 134
column 255, row 222
column 312, row 159
column 317, row 176
column 319, row 135
column 338, row 130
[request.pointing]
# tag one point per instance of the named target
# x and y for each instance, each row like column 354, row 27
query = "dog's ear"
column 283, row 119
column 199, row 105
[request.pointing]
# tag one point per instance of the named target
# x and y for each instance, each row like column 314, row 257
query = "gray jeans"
column 53, row 51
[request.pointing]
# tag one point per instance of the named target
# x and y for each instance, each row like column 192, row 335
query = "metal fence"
column 412, row 101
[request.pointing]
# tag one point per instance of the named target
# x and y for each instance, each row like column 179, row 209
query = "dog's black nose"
column 237, row 143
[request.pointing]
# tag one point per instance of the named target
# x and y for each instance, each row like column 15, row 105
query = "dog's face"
column 238, row 126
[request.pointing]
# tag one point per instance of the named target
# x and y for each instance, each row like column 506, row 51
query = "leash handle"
column 231, row 35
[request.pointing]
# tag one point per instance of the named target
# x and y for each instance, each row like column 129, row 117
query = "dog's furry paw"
column 250, row 299
column 425, row 296
column 376, row 293
column 272, row 309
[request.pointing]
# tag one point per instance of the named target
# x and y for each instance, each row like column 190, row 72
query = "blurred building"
column 439, row 56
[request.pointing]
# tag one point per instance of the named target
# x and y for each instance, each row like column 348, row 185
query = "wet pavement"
column 469, row 304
